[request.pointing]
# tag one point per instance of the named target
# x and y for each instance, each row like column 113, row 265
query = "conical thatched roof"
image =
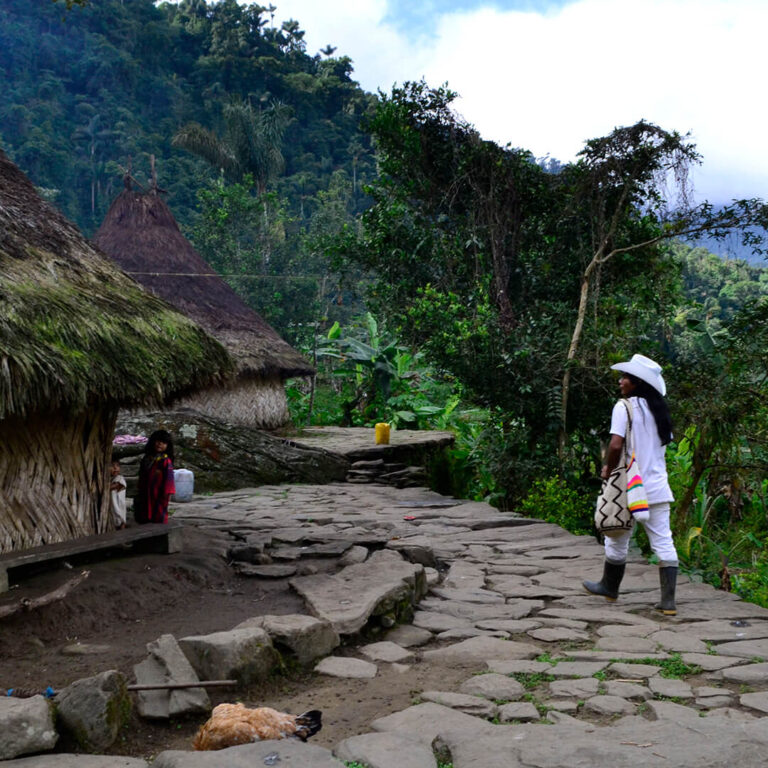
column 141, row 235
column 74, row 330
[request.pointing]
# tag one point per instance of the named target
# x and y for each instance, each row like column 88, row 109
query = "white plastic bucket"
column 185, row 484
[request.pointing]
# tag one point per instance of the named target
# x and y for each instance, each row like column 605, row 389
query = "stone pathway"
column 555, row 677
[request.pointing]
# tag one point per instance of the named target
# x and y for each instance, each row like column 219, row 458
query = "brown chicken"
column 233, row 724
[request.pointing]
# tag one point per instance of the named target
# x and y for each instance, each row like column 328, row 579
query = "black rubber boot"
column 608, row 586
column 668, row 582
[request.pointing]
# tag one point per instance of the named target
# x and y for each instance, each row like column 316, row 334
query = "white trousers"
column 659, row 536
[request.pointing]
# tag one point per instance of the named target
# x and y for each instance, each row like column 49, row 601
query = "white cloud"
column 547, row 82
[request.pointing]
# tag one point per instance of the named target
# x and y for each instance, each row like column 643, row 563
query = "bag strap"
column 629, row 440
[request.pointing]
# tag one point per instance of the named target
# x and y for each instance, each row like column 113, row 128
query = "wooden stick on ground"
column 173, row 686
column 25, row 604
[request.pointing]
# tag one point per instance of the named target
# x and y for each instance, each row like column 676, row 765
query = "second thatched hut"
column 140, row 233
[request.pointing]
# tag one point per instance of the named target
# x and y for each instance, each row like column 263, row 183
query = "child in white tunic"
column 117, row 494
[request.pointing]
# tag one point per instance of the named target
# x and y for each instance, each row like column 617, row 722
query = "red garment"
column 155, row 488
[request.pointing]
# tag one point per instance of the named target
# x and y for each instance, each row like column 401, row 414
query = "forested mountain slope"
column 85, row 90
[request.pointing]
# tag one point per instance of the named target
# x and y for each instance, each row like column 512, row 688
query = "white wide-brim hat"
column 646, row 370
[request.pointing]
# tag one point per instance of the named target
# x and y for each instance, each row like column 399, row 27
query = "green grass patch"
column 673, row 668
column 532, row 680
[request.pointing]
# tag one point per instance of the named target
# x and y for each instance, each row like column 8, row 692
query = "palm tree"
column 250, row 143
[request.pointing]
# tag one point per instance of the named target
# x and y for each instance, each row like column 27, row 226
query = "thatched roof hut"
column 140, row 233
column 78, row 340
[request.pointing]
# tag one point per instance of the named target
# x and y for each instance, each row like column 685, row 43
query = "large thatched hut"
column 78, row 340
column 142, row 236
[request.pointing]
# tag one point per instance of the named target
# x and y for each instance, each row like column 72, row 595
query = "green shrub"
column 554, row 501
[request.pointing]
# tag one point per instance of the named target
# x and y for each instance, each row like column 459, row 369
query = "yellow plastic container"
column 382, row 434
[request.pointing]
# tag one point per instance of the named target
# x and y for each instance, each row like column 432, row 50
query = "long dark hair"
column 163, row 436
column 656, row 403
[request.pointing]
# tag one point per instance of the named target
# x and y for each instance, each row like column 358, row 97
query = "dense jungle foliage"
column 87, row 90
column 442, row 282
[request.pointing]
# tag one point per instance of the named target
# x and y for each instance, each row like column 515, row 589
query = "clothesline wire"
column 235, row 274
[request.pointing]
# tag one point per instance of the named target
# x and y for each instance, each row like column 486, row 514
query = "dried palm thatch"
column 78, row 339
column 141, row 235
column 76, row 331
column 257, row 403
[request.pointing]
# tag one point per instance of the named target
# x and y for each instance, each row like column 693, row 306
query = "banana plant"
column 383, row 361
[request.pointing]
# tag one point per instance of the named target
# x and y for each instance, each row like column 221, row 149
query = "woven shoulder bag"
column 622, row 495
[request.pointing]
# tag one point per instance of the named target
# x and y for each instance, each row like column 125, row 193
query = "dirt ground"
column 131, row 599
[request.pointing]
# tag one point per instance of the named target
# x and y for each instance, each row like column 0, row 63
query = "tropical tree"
column 621, row 180
column 250, row 143
column 524, row 283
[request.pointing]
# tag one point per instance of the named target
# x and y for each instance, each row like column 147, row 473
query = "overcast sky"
column 548, row 74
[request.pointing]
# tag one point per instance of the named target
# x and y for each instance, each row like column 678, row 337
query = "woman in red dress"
column 155, row 479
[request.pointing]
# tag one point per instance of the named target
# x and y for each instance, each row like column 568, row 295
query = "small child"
column 156, row 483
column 117, row 494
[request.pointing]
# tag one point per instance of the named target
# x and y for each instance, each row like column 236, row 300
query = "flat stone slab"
column 748, row 674
column 385, row 651
column 734, row 610
column 711, row 663
column 409, row 636
column 632, row 691
column 481, row 648
column 578, row 688
column 266, row 571
column 385, row 750
column 285, row 753
column 462, row 633
column 678, row 642
column 438, row 622
column 638, row 671
column 518, row 711
column 337, row 666
column 671, row 688
column 609, row 705
column 710, row 690
column 246, row 655
column 493, row 686
column 599, row 616
column 577, row 668
column 26, row 726
column 758, row 701
column 167, row 664
column 424, row 722
column 709, row 742
column 625, row 630
column 623, row 645
column 463, row 702
column 713, row 702
column 558, row 635
column 569, row 623
column 468, row 595
column 515, row 666
column 349, row 598
column 748, row 649
column 511, row 626
column 464, row 575
column 722, row 631
column 66, row 760
column 474, row 612
column 307, row 637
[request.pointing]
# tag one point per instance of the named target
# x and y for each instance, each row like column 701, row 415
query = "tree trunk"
column 572, row 349
column 701, row 456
